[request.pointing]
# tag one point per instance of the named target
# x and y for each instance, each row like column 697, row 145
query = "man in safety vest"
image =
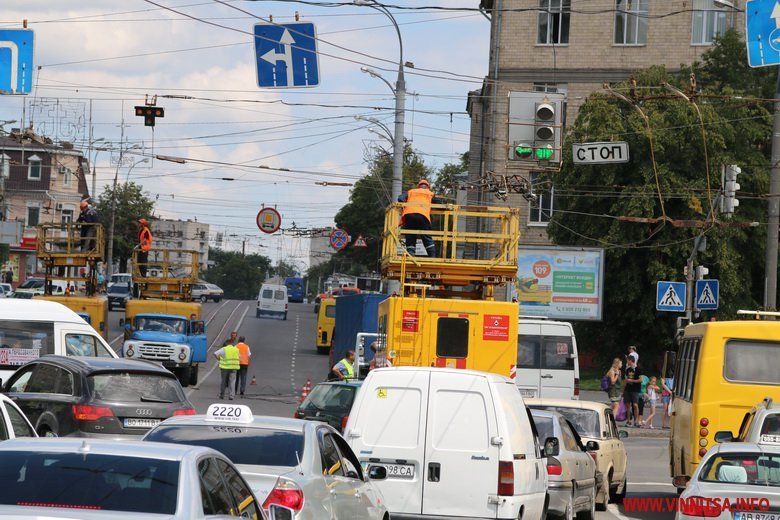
column 345, row 369
column 228, row 366
column 243, row 359
column 417, row 215
column 144, row 245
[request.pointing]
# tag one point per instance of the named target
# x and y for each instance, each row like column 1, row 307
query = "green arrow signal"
column 523, row 151
column 545, row 153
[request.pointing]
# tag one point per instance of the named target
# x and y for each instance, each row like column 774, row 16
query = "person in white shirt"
column 632, row 352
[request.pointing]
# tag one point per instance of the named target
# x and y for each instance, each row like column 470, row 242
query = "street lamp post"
column 110, row 254
column 400, row 99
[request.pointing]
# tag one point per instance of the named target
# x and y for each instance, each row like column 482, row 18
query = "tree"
column 446, row 177
column 589, row 199
column 240, row 276
column 285, row 269
column 132, row 203
column 364, row 214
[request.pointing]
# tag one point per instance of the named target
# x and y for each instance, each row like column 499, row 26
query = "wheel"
column 194, row 375
column 204, row 299
column 183, row 375
column 617, row 497
column 590, row 513
column 45, row 431
column 602, row 506
column 323, row 350
column 217, row 300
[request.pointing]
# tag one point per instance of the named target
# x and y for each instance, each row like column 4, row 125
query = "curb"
column 645, row 433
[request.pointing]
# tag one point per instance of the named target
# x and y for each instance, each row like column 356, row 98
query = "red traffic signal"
column 149, row 113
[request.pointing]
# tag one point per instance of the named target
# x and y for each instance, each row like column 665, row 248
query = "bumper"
column 560, row 494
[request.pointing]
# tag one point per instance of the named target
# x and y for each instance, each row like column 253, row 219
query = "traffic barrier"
column 306, row 389
column 513, row 372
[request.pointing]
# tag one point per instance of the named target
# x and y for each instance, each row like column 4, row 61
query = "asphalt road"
column 284, row 358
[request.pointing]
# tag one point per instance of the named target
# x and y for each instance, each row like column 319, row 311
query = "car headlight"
column 129, row 352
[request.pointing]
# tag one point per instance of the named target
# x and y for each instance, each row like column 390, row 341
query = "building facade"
column 319, row 247
column 183, row 235
column 573, row 48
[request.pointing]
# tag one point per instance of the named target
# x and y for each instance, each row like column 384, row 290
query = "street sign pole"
column 772, row 230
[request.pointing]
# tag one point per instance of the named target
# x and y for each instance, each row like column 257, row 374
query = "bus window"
column 558, row 352
column 528, row 352
column 752, row 362
column 452, row 338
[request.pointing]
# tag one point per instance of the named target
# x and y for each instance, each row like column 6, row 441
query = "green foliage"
column 132, row 203
column 589, row 198
column 238, row 275
column 284, row 270
column 446, row 177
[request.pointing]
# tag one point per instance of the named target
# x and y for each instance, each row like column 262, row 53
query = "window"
column 4, row 436
column 5, row 166
column 331, row 398
column 331, row 460
column 241, row 494
column 351, row 463
column 752, row 362
column 80, row 345
column 34, row 168
column 554, row 22
column 22, row 377
column 558, row 353
column 631, row 22
column 24, row 341
column 542, row 209
column 452, row 338
column 44, row 380
column 552, row 88
column 544, row 427
column 129, row 387
column 330, row 311
column 18, row 423
column 214, row 494
column 568, row 437
column 528, row 351
column 67, row 216
column 33, row 216
column 709, row 22
column 67, row 176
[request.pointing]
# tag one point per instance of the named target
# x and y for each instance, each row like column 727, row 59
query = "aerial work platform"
column 70, row 252
column 493, row 253
column 169, row 274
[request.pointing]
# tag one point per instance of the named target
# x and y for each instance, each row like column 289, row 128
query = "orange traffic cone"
column 306, row 389
column 253, row 381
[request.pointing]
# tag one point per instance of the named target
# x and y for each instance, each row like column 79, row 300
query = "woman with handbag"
column 613, row 380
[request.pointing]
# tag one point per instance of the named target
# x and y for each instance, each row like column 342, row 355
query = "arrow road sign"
column 286, row 55
column 670, row 296
column 707, row 295
column 339, row 239
column 16, row 61
column 762, row 18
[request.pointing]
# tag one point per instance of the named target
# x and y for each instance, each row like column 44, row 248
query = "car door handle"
column 434, row 472
column 546, row 376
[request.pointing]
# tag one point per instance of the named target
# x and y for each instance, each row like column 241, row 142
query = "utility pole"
column 110, row 253
column 772, row 230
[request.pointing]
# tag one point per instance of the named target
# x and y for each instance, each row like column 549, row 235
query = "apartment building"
column 183, row 235
column 573, row 47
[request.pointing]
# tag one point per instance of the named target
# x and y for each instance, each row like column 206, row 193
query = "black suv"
column 118, row 294
column 96, row 397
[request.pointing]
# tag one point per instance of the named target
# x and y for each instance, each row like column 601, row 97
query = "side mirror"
column 622, row 434
column 724, row 436
column 681, row 481
column 592, row 446
column 551, row 447
column 277, row 512
column 377, row 473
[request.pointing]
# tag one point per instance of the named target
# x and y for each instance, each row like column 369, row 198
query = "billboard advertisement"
column 565, row 283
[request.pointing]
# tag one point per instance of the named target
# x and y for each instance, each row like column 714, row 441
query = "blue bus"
column 294, row 289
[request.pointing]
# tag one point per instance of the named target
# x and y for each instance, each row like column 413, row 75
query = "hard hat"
column 423, row 182
column 143, row 221
column 84, row 204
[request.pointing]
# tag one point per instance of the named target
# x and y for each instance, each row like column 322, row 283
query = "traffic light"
column 729, row 199
column 701, row 272
column 536, row 127
column 149, row 113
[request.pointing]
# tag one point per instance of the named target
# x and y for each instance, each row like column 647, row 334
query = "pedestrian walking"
column 416, row 215
column 88, row 218
column 228, row 366
column 344, row 369
column 651, row 400
column 101, row 282
column 9, row 276
column 244, row 353
column 667, row 385
column 614, row 390
column 631, row 393
column 144, row 245
column 642, row 398
column 633, row 353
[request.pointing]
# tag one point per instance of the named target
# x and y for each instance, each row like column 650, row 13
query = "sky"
column 96, row 60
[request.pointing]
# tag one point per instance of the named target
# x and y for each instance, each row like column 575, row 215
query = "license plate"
column 141, row 423
column 744, row 515
column 528, row 393
column 399, row 470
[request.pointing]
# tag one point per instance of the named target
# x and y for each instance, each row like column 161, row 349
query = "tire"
column 183, row 375
column 602, row 506
column 194, row 375
column 590, row 514
column 204, row 298
column 323, row 351
column 217, row 300
column 617, row 498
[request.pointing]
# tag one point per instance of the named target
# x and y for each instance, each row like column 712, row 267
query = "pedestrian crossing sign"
column 670, row 296
column 707, row 295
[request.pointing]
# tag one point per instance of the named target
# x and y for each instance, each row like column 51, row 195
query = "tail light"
column 704, row 432
column 699, row 506
column 702, row 452
column 285, row 493
column 184, row 411
column 576, row 387
column 298, row 415
column 594, row 456
column 86, row 412
column 704, row 422
column 554, row 467
column 344, row 422
column 506, row 478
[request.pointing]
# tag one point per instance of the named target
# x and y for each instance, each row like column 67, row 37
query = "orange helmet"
column 143, row 221
column 84, row 204
column 424, row 182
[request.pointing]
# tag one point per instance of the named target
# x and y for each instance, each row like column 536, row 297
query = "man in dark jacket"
column 88, row 219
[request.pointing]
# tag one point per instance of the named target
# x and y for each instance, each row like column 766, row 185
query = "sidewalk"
column 657, row 432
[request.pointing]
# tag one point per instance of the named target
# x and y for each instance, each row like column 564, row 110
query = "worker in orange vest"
column 243, row 359
column 417, row 215
column 144, row 245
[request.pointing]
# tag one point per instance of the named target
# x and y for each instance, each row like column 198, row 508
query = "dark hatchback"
column 117, row 295
column 329, row 402
column 96, row 397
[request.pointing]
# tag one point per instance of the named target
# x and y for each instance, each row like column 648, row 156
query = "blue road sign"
column 707, row 295
column 286, row 55
column 339, row 238
column 762, row 18
column 16, row 61
column 670, row 296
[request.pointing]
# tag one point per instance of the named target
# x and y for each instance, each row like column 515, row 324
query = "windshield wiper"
column 147, row 399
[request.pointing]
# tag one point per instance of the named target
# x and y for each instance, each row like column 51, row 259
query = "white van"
column 120, row 278
column 35, row 287
column 454, row 443
column 547, row 363
column 30, row 329
column 272, row 301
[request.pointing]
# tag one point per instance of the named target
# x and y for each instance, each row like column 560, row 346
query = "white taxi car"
column 304, row 466
column 595, row 422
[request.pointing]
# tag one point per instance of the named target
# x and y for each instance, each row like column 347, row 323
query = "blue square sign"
column 286, row 55
column 670, row 296
column 762, row 18
column 16, row 61
column 707, row 295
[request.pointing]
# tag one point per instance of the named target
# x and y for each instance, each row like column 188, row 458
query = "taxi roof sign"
column 229, row 413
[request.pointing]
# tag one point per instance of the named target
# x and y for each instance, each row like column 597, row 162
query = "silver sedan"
column 304, row 466
column 734, row 481
column 88, row 479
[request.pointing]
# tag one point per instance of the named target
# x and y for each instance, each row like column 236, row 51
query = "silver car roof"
column 746, row 447
column 152, row 450
column 259, row 421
